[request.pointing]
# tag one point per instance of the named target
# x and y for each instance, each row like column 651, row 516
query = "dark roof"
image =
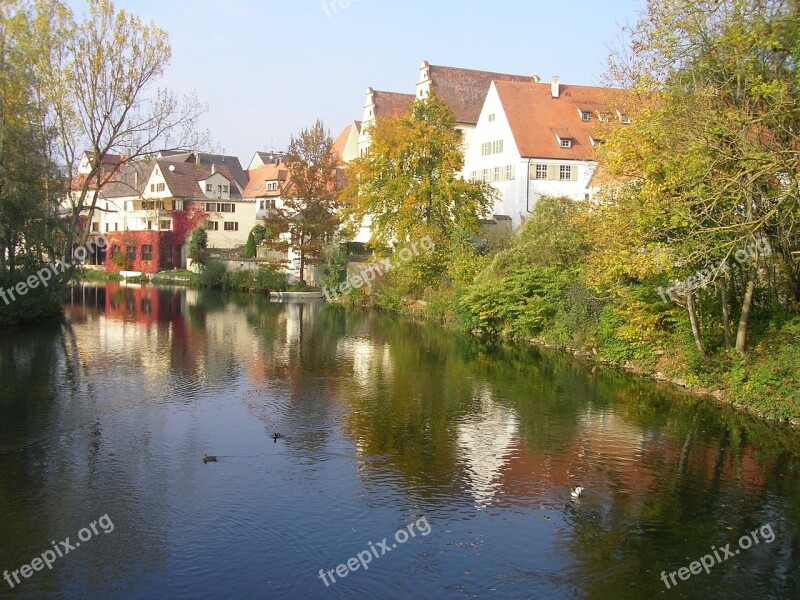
column 184, row 180
column 129, row 180
column 221, row 160
column 464, row 90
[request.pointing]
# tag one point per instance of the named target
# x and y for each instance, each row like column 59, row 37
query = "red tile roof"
column 464, row 90
column 256, row 187
column 536, row 117
column 391, row 104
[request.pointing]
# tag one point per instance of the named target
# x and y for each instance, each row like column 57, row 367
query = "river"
column 436, row 465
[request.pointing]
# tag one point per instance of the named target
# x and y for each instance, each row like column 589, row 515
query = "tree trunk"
column 690, row 307
column 726, row 317
column 744, row 318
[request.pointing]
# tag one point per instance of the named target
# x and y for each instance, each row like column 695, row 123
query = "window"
column 565, row 172
column 107, row 226
column 485, row 176
column 95, row 227
column 496, row 175
column 541, row 172
column 212, row 225
column 490, row 148
column 225, row 188
column 209, row 187
column 114, row 250
column 153, row 205
column 149, row 225
column 565, row 142
column 623, row 118
column 474, row 176
column 585, row 115
column 131, row 254
column 509, row 171
column 147, row 252
column 116, row 226
column 223, row 207
column 491, row 117
column 160, row 187
column 152, row 187
column 272, row 186
column 231, row 226
column 165, row 225
column 498, row 147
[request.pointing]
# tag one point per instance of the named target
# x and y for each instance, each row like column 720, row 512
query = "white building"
column 534, row 139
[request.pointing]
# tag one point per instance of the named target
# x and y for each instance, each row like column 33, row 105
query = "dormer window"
column 565, row 142
column 595, row 141
column 586, row 116
column 623, row 118
column 272, row 186
column 602, row 117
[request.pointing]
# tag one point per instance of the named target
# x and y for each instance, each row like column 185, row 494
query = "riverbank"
column 764, row 384
column 556, row 284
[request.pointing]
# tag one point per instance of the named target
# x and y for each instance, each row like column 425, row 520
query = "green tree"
column 198, row 244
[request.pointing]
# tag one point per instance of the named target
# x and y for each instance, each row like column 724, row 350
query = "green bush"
column 213, row 275
column 35, row 305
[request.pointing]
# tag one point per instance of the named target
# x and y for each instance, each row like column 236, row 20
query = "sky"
column 268, row 69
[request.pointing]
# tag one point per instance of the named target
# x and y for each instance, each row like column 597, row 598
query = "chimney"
column 213, row 168
column 536, row 79
column 554, row 87
column 197, row 159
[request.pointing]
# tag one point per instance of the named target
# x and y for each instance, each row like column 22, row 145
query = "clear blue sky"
column 267, row 69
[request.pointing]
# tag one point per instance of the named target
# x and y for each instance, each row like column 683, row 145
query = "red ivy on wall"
column 164, row 246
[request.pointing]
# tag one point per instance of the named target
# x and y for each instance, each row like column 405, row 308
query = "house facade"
column 148, row 209
column 535, row 139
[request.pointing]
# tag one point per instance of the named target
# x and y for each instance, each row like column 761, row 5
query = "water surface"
column 386, row 424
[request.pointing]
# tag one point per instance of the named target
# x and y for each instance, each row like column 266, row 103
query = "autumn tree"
column 709, row 164
column 99, row 77
column 309, row 211
column 408, row 184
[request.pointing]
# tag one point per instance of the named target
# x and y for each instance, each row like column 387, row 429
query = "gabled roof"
column 231, row 163
column 340, row 144
column 184, row 179
column 464, row 90
column 108, row 159
column 536, row 117
column 256, row 187
column 129, row 180
column 391, row 104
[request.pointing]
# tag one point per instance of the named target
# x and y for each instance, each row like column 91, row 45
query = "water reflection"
column 384, row 421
